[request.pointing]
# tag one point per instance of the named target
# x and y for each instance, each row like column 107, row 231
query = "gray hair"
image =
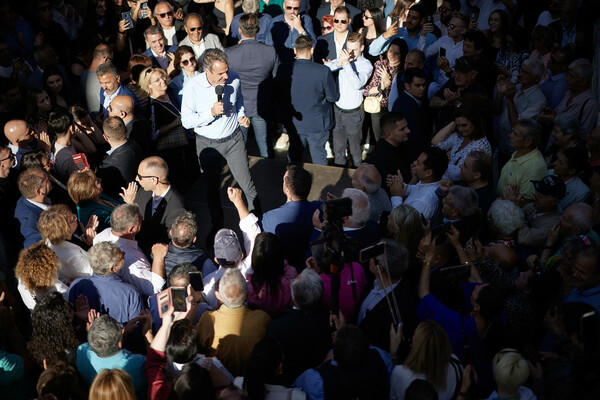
column 162, row 2
column 361, row 209
column 532, row 131
column 107, row 68
column 184, row 229
column 397, row 258
column 307, row 290
column 582, row 217
column 567, row 124
column 181, row 271
column 506, row 216
column 536, row 65
column 233, row 288
column 583, row 68
column 104, row 336
column 124, row 217
column 365, row 180
column 250, row 6
column 212, row 55
column 464, row 199
column 153, row 30
column 103, row 256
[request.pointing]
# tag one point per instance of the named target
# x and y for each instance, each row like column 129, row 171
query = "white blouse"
column 457, row 157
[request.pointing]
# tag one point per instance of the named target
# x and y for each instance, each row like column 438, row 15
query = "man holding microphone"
column 213, row 106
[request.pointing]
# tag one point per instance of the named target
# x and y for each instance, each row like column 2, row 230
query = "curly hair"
column 37, row 267
column 146, row 78
column 54, row 224
column 53, row 337
column 82, row 186
column 506, row 217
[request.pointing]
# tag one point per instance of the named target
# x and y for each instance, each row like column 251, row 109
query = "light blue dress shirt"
column 380, row 45
column 198, row 98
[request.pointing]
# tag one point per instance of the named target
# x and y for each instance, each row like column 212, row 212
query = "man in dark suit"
column 326, row 47
column 110, row 83
column 355, row 13
column 120, row 167
column 34, row 185
column 256, row 64
column 164, row 17
column 311, row 90
column 157, row 51
column 138, row 127
column 159, row 202
column 413, row 104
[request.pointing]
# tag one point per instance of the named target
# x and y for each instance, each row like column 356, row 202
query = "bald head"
column 18, row 133
column 154, row 166
column 366, row 178
column 122, row 106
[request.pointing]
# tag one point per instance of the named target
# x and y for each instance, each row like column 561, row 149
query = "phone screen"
column 196, row 281
column 371, row 252
column 442, row 52
column 178, row 296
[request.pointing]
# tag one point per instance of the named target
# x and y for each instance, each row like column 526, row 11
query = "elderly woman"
column 37, row 274
column 57, row 226
column 85, row 190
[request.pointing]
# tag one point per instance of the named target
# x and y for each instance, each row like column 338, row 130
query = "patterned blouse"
column 375, row 80
column 512, row 63
column 457, row 157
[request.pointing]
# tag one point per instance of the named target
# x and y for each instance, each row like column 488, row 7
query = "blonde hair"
column 54, row 224
column 37, row 267
column 146, row 77
column 112, row 384
column 430, row 353
column 407, row 220
column 81, row 186
column 510, row 370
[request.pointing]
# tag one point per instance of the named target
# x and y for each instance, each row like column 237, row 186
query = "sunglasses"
column 140, row 177
column 185, row 63
column 340, row 21
column 327, row 28
column 443, row 9
column 451, row 26
column 165, row 15
column 292, row 8
column 195, row 28
column 367, row 17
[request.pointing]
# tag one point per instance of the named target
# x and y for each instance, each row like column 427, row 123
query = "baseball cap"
column 551, row 185
column 464, row 64
column 227, row 247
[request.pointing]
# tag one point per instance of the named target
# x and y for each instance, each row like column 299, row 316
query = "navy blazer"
column 256, row 64
column 27, row 215
column 119, row 168
column 416, row 121
column 148, row 52
column 355, row 16
column 311, row 91
column 325, row 48
column 124, row 91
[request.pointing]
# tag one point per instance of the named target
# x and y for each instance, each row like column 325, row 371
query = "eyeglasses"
column 327, row 28
column 195, row 28
column 340, row 21
column 11, row 156
column 292, row 8
column 365, row 16
column 185, row 63
column 140, row 177
column 165, row 15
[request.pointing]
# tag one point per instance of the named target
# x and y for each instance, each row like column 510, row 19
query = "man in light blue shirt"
column 216, row 119
column 410, row 33
column 286, row 28
column 555, row 85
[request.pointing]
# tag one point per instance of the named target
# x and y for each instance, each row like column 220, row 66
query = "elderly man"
column 476, row 173
column 555, row 85
column 286, row 28
column 159, row 201
column 103, row 350
column 330, row 45
column 577, row 220
column 160, row 55
column 256, row 63
column 22, row 139
column 110, row 83
column 216, row 120
column 264, row 20
column 125, row 222
column 120, row 165
column 526, row 163
column 231, row 332
column 182, row 248
column 194, row 26
column 586, row 278
column 303, row 331
column 171, row 27
column 520, row 101
column 105, row 291
column 34, row 185
column 460, row 207
column 367, row 178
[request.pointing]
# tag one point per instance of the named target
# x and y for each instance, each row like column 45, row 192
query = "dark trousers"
column 348, row 129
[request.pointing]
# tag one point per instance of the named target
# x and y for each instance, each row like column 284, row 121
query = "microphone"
column 219, row 91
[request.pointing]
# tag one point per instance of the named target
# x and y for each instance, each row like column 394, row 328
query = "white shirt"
column 137, row 269
column 422, row 197
column 351, row 80
column 171, row 36
column 43, row 206
column 30, row 301
column 108, row 99
column 545, row 19
column 74, row 260
column 373, row 298
column 486, row 7
column 453, row 52
column 339, row 46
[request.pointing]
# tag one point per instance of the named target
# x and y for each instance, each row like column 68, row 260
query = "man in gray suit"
column 256, row 63
column 194, row 27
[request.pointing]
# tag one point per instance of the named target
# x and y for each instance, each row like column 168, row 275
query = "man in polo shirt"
column 526, row 163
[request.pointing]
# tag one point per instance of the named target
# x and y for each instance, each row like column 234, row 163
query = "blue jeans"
column 259, row 126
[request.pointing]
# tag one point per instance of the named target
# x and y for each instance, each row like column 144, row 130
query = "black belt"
column 348, row 111
column 223, row 140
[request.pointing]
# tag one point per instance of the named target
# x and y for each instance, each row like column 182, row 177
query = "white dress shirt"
column 351, row 80
column 421, row 196
column 453, row 52
column 137, row 270
column 74, row 260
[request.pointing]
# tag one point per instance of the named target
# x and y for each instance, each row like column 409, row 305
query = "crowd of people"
column 462, row 263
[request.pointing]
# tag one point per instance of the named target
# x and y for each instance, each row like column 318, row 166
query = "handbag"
column 372, row 104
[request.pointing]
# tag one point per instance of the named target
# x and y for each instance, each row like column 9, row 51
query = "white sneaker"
column 328, row 150
column 282, row 142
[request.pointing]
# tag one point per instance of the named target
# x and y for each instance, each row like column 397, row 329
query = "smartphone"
column 196, row 281
column 173, row 296
column 81, row 161
column 588, row 328
column 394, row 19
column 144, row 5
column 371, row 252
column 429, row 19
column 127, row 16
column 442, row 52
